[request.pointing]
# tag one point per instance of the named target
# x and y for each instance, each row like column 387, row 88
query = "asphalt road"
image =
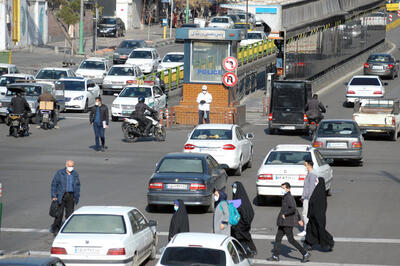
column 362, row 214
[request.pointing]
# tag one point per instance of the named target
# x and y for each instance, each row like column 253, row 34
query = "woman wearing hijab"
column 179, row 221
column 221, row 214
column 316, row 232
column 241, row 231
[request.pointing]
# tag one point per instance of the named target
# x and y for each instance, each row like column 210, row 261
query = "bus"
column 392, row 5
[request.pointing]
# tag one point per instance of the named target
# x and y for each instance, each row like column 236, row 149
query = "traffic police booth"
column 205, row 50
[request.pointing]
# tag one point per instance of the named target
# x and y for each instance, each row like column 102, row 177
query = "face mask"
column 70, row 169
column 176, row 208
column 204, row 92
column 283, row 191
column 234, row 190
column 97, row 103
column 216, row 198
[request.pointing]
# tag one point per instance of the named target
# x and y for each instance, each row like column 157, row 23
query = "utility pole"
column 81, row 31
column 170, row 24
column 187, row 11
column 247, row 13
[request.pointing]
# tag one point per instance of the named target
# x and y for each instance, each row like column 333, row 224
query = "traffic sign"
column 229, row 79
column 230, row 63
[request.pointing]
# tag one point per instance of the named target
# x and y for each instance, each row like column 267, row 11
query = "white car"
column 51, row 74
column 12, row 78
column 80, row 93
column 285, row 163
column 8, row 69
column 120, row 76
column 364, row 87
column 105, row 235
column 253, row 37
column 227, row 143
column 221, row 22
column 126, row 101
column 172, row 60
column 203, row 249
column 147, row 59
column 93, row 68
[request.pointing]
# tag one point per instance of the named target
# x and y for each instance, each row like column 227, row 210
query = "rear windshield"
column 218, row 134
column 176, row 58
column 365, row 81
column 7, row 80
column 289, row 95
column 181, row 165
column 337, row 129
column 141, row 55
column 193, row 256
column 121, row 71
column 95, row 224
column 380, row 58
column 51, row 74
column 288, row 157
column 93, row 65
column 220, row 20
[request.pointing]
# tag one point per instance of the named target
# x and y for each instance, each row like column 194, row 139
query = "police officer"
column 139, row 115
column 20, row 106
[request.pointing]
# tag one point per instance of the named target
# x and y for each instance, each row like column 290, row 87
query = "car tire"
column 238, row 171
column 394, row 136
column 272, row 131
column 250, row 162
column 261, row 200
column 86, row 108
column 114, row 118
column 152, row 207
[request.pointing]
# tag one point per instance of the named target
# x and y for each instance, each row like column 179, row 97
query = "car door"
column 159, row 97
column 221, row 176
column 324, row 169
column 240, row 144
column 246, row 144
column 241, row 253
column 145, row 232
column 90, row 92
column 135, row 241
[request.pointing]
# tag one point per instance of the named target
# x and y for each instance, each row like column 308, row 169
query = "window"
column 69, row 85
column 365, row 82
column 52, row 74
column 93, row 65
column 380, row 58
column 319, row 158
column 193, row 256
column 130, row 44
column 134, row 224
column 210, row 164
column 181, row 165
column 121, row 71
column 338, row 129
column 233, row 253
column 141, row 55
column 288, row 157
column 207, row 134
column 157, row 91
column 136, row 92
column 214, row 162
column 238, row 135
column 95, row 224
column 240, row 250
column 140, row 220
column 173, row 58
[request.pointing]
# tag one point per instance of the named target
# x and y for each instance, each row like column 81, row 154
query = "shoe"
column 102, row 149
column 51, row 230
column 306, row 257
column 327, row 249
column 56, row 127
column 273, row 258
column 302, row 233
column 254, row 252
column 308, row 247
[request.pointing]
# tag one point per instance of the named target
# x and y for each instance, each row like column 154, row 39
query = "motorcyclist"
column 139, row 114
column 314, row 109
column 20, row 106
column 48, row 97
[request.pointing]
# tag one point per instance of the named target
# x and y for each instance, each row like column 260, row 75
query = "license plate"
column 341, row 145
column 87, row 250
column 286, row 177
column 176, row 186
column 377, row 67
column 126, row 112
column 288, row 127
column 15, row 123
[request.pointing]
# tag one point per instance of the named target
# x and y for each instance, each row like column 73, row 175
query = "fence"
column 5, row 57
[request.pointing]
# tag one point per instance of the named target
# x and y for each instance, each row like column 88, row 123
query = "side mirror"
column 152, row 223
column 385, row 83
column 224, row 166
column 329, row 161
column 115, row 94
column 159, row 60
column 157, row 96
column 90, row 88
column 104, row 74
column 250, row 136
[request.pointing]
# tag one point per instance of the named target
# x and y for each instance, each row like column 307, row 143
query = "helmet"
column 141, row 99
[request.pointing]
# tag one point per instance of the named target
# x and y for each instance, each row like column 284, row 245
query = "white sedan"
column 203, row 249
column 224, row 22
column 285, row 163
column 172, row 60
column 364, row 87
column 253, row 37
column 227, row 143
column 104, row 235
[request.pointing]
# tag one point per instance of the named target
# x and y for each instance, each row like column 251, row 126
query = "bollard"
column 167, row 117
column 172, row 116
column 263, row 105
column 162, row 117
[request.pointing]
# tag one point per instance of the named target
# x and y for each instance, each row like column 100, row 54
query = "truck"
column 378, row 116
column 286, row 105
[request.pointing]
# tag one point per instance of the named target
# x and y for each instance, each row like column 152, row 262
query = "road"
column 362, row 213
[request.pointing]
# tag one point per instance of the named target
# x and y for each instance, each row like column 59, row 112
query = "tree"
column 69, row 12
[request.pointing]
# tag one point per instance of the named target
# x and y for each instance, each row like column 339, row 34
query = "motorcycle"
column 133, row 130
column 313, row 125
column 45, row 118
column 16, row 126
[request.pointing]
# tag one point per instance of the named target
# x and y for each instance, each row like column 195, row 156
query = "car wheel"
column 135, row 260
column 261, row 200
column 153, row 252
column 153, row 208
column 114, row 118
column 394, row 136
column 238, row 171
column 272, row 131
column 86, row 108
column 250, row 162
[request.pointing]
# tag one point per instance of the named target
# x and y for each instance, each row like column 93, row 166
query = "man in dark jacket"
column 315, row 108
column 65, row 189
column 287, row 219
column 99, row 119
column 20, row 106
column 139, row 115
column 48, row 97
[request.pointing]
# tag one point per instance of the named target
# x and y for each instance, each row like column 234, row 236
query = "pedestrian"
column 204, row 100
column 65, row 189
column 310, row 182
column 221, row 213
column 241, row 231
column 316, row 232
column 287, row 219
column 179, row 221
column 99, row 119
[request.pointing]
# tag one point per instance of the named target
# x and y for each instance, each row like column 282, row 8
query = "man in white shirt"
column 204, row 100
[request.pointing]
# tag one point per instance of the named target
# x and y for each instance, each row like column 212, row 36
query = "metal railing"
column 5, row 57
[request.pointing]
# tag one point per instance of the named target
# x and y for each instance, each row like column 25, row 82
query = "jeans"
column 304, row 214
column 67, row 203
column 201, row 116
column 288, row 231
column 99, row 134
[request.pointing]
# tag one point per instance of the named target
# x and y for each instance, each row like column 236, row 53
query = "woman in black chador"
column 179, row 221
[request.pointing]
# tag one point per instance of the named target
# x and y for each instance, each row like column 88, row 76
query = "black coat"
column 179, row 221
column 289, row 209
column 314, row 109
column 245, row 209
column 103, row 114
column 140, row 108
column 19, row 105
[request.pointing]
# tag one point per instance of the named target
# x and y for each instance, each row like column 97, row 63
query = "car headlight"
column 118, row 106
column 31, row 105
column 116, row 53
column 79, row 98
column 106, row 81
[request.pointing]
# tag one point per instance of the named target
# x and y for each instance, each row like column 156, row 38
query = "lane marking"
column 254, row 236
column 74, row 117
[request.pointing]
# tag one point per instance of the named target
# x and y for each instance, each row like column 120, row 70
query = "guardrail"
column 5, row 57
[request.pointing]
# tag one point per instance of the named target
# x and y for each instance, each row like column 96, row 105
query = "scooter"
column 16, row 126
column 133, row 130
column 45, row 118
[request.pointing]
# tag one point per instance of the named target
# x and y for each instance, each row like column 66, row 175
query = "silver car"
column 383, row 65
column 339, row 139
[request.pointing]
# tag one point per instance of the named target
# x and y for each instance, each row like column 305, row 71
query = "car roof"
column 206, row 240
column 31, row 84
column 293, row 147
column 73, row 79
column 145, row 49
column 381, row 54
column 17, row 75
column 115, row 210
column 7, row 65
column 101, row 59
column 55, row 68
column 215, row 126
column 365, row 76
column 133, row 40
column 27, row 261
column 185, row 155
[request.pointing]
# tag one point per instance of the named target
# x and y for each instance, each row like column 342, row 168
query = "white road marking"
column 75, row 117
column 255, row 236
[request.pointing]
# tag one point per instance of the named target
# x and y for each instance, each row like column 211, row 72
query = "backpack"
column 234, row 215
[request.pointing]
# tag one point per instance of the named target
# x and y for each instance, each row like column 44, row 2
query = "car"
column 361, row 87
column 191, row 177
column 104, row 235
column 227, row 143
column 125, row 48
column 382, row 65
column 120, row 76
column 253, row 38
column 285, row 163
column 250, row 18
column 171, row 60
column 126, row 101
column 221, row 22
column 243, row 25
column 111, row 26
column 235, row 18
column 32, row 261
column 12, row 78
column 51, row 74
column 258, row 20
column 94, row 68
column 147, row 59
column 339, row 139
column 80, row 93
column 203, row 249
column 8, row 69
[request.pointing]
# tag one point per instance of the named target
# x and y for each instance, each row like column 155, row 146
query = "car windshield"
column 4, row 81
column 181, row 165
column 176, row 58
column 365, row 81
column 51, row 74
column 288, row 157
column 254, row 35
column 129, row 44
column 241, row 26
column 121, row 71
column 29, row 91
column 193, row 256
column 219, row 20
column 217, row 134
column 141, row 54
column 95, row 224
column 108, row 21
column 93, row 65
column 337, row 129
column 136, row 92
column 379, row 58
column 3, row 70
column 70, row 85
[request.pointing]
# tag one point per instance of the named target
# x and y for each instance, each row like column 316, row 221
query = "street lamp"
column 81, row 31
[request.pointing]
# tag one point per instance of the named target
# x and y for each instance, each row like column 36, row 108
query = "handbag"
column 54, row 209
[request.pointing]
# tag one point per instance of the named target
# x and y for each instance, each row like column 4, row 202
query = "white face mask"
column 204, row 92
column 283, row 191
column 216, row 198
column 70, row 169
column 234, row 190
column 97, row 103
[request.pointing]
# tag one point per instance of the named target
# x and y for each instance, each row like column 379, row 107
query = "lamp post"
column 187, row 11
column 247, row 13
column 170, row 22
column 81, row 31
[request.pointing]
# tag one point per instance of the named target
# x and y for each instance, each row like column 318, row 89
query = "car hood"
column 107, row 25
column 136, row 61
column 126, row 100
column 251, row 41
column 123, row 51
column 166, row 65
column 73, row 94
column 119, row 78
column 90, row 72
